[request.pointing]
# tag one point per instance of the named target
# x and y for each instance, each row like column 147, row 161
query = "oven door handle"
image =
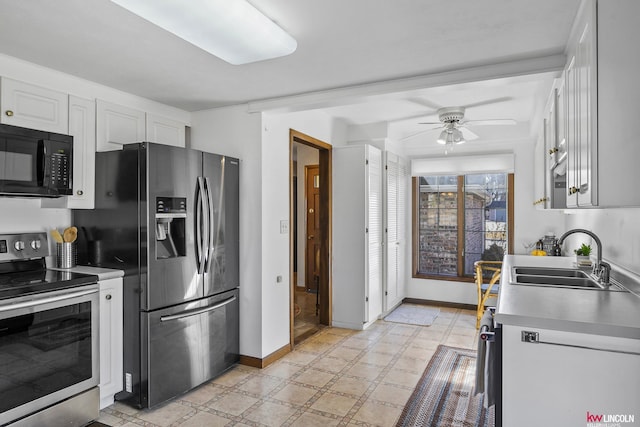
column 46, row 300
column 197, row 311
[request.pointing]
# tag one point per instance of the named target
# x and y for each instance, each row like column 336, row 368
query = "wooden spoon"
column 56, row 236
column 70, row 234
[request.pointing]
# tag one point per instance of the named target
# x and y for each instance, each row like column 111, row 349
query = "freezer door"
column 189, row 344
column 221, row 175
column 168, row 230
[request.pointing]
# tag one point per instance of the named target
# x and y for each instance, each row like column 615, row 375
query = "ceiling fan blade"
column 425, row 103
column 413, row 135
column 431, row 123
column 416, row 117
column 468, row 135
column 490, row 122
column 489, row 101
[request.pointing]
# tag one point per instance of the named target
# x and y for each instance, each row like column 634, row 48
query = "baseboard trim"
column 440, row 303
column 256, row 362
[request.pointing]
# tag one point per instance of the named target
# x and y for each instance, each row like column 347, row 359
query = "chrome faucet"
column 601, row 269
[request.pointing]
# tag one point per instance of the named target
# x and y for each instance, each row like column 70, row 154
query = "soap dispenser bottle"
column 557, row 251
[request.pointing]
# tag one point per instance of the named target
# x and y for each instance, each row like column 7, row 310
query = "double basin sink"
column 558, row 278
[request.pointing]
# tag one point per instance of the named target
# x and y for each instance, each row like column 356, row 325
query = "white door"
column 374, row 234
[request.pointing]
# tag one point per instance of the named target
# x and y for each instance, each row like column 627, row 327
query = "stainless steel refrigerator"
column 168, row 217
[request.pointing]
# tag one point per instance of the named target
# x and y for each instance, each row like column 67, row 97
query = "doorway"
column 310, row 202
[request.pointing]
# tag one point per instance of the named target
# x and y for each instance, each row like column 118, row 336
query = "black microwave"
column 35, row 163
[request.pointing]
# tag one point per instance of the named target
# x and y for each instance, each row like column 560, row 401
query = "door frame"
column 324, row 157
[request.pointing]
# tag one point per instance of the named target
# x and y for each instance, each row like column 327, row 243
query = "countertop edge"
column 102, row 273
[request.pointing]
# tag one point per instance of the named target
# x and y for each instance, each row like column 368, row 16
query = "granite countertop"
column 102, row 273
column 598, row 312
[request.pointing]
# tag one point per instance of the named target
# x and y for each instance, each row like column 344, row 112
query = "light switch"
column 284, row 226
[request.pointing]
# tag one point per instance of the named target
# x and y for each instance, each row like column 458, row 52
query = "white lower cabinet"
column 111, row 331
column 565, row 378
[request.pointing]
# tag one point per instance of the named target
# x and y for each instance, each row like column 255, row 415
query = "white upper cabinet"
column 33, row 107
column 602, row 94
column 165, row 131
column 118, row 125
column 82, row 126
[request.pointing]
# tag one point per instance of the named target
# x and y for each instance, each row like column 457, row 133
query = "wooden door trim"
column 325, row 156
column 306, row 201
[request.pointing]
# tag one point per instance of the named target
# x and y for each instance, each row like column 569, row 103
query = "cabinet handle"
column 573, row 190
column 79, row 192
column 9, row 113
column 553, row 150
column 108, row 296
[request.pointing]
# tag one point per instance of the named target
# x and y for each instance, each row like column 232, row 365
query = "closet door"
column 374, row 233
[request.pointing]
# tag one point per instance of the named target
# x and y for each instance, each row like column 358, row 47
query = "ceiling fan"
column 455, row 127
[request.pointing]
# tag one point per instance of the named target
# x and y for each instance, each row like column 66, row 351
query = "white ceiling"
column 342, row 44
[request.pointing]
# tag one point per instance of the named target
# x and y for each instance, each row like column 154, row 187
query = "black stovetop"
column 32, row 277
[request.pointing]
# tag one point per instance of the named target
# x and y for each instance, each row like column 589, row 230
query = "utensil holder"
column 66, row 255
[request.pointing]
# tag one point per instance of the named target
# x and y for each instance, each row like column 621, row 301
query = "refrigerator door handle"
column 210, row 245
column 202, row 225
column 197, row 310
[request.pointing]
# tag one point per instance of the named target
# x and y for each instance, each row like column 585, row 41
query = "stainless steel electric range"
column 49, row 361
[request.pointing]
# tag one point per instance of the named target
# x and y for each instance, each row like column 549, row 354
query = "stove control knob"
column 36, row 244
column 19, row 245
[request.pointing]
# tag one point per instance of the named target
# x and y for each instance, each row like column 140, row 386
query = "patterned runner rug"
column 444, row 395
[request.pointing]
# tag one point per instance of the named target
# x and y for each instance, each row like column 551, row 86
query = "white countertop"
column 102, row 273
column 598, row 312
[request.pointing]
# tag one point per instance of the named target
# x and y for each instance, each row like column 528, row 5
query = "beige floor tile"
column 124, row 408
column 202, row 394
column 396, row 340
column 314, row 377
column 364, row 371
column 232, row 377
column 205, row 419
column 410, row 364
column 300, row 357
column 331, row 364
column 353, row 386
column 377, row 359
column 165, row 415
column 316, row 347
column 405, row 330
column 341, row 331
column 260, row 385
column 345, row 353
column 282, row 370
column 377, row 415
column 271, row 414
column 423, row 354
column 295, row 394
column 430, row 344
column 391, row 394
column 409, row 379
column 334, row 404
column 108, row 419
column 328, row 338
column 309, row 419
column 233, row 403
column 383, row 347
column 356, row 343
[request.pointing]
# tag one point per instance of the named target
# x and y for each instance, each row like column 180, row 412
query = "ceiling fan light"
column 457, row 137
column 442, row 139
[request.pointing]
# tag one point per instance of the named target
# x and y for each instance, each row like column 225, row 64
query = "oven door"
column 48, row 349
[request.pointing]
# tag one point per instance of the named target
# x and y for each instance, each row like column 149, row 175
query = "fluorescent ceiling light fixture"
column 232, row 30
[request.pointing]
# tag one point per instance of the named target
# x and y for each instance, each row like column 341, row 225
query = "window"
column 460, row 219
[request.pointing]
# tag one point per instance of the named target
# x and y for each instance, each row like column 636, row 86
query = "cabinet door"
column 33, row 107
column 111, row 332
column 82, row 126
column 117, row 125
column 572, row 133
column 165, row 131
column 587, row 113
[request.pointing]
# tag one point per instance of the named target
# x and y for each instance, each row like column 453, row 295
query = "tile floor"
column 338, row 377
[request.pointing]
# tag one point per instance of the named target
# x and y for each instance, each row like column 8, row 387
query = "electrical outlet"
column 284, row 226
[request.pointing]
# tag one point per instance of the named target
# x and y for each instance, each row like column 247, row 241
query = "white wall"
column 618, row 229
column 262, row 144
column 530, row 225
column 305, row 156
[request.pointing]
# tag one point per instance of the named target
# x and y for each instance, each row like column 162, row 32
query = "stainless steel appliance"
column 48, row 338
column 168, row 217
column 34, row 163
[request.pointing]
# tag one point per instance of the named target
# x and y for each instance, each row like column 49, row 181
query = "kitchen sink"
column 555, row 272
column 557, row 278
